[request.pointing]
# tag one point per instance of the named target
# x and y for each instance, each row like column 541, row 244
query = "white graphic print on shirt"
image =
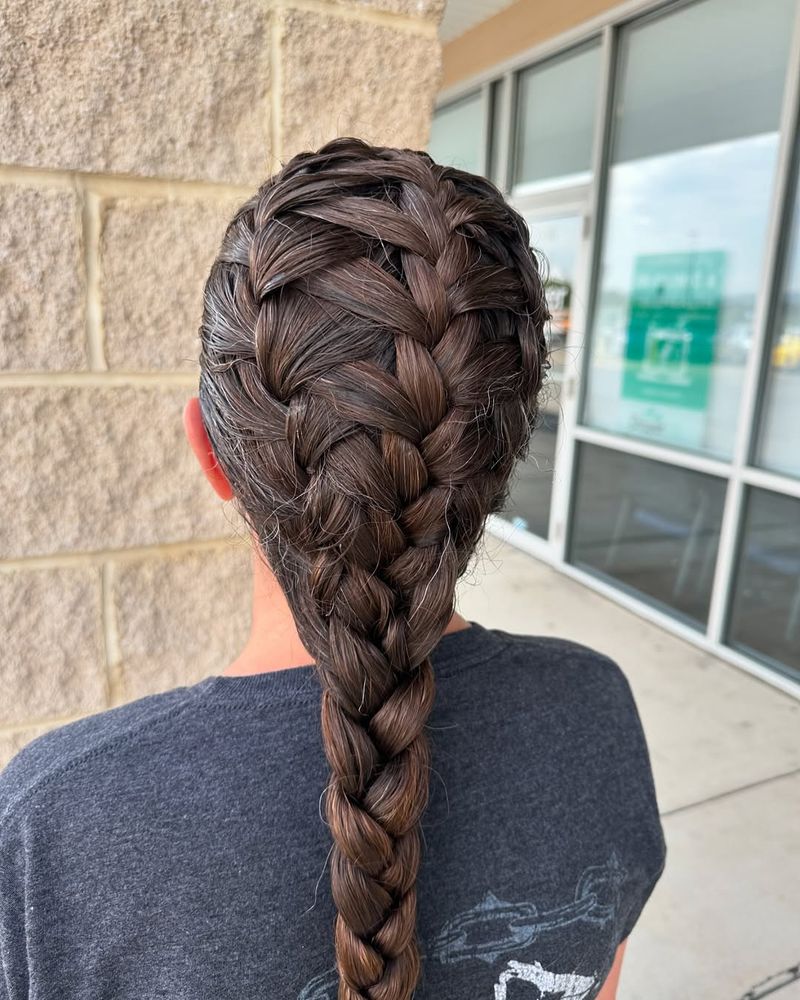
column 494, row 928
column 569, row 987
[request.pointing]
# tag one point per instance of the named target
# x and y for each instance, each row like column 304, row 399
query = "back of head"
column 372, row 352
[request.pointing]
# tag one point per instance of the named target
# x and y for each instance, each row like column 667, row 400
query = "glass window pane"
column 765, row 614
column 528, row 505
column 556, row 105
column 559, row 239
column 457, row 134
column 652, row 527
column 778, row 445
column 692, row 167
column 709, row 73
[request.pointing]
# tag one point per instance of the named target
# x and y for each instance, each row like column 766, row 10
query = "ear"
column 201, row 446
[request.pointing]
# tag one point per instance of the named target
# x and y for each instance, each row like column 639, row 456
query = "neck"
column 274, row 643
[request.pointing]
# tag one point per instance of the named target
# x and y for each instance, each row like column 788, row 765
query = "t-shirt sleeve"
column 17, row 789
column 13, row 957
column 640, row 890
column 641, row 811
column 608, row 824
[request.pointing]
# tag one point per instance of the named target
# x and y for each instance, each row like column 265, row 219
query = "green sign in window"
column 673, row 320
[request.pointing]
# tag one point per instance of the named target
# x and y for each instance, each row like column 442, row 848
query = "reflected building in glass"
column 654, row 154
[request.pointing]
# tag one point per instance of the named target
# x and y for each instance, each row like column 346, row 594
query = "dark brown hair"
column 372, row 351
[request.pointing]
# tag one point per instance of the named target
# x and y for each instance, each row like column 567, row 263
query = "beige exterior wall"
column 512, row 30
column 127, row 138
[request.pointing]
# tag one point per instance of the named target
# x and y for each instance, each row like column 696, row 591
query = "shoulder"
column 593, row 717
column 555, row 649
column 566, row 680
column 570, row 668
column 583, row 700
column 56, row 754
column 571, row 719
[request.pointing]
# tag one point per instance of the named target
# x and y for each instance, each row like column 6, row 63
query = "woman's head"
column 372, row 352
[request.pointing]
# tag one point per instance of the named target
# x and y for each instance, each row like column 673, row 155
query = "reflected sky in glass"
column 702, row 200
column 556, row 119
column 558, row 239
column 457, row 132
column 693, row 159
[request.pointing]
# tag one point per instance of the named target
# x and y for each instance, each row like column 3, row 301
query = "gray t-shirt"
column 173, row 847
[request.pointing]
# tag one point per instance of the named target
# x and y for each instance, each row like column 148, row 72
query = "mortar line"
column 92, row 225
column 97, row 557
column 731, row 791
column 384, row 18
column 114, row 679
column 96, row 379
column 276, row 86
column 111, row 185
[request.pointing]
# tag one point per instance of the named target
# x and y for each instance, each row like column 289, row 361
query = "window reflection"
column 765, row 615
column 652, row 527
column 688, row 202
column 559, row 240
column 457, row 134
column 556, row 111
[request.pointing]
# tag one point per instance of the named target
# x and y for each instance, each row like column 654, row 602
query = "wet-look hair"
column 372, row 350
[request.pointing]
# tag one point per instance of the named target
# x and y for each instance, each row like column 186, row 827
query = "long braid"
column 372, row 349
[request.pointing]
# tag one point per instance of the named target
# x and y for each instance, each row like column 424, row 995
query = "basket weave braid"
column 372, row 352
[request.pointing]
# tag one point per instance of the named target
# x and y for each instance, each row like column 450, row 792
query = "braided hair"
column 372, row 349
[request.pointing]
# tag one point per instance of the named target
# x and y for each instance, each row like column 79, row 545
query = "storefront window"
column 778, row 448
column 457, row 134
column 556, row 105
column 765, row 615
column 652, row 528
column 693, row 159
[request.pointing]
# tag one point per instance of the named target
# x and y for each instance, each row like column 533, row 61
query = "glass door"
column 557, row 235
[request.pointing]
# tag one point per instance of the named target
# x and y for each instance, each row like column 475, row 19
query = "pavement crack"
column 773, row 983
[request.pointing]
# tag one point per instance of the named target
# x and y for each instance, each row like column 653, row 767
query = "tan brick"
column 177, row 90
column 154, row 260
column 385, row 81
column 96, row 468
column 42, row 322
column 53, row 661
column 181, row 619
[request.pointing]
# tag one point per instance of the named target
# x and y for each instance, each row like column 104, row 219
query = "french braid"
column 372, row 351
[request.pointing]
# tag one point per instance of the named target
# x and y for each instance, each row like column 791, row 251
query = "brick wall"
column 128, row 135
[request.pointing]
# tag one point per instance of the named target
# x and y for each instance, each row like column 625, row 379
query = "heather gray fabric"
column 173, row 847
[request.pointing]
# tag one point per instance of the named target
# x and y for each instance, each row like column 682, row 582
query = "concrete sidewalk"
column 725, row 917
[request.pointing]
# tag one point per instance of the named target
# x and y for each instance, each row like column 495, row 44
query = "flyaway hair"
column 372, row 349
